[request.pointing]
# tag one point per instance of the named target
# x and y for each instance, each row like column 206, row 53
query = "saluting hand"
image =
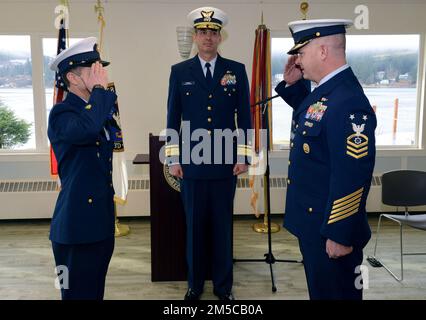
column 292, row 72
column 97, row 75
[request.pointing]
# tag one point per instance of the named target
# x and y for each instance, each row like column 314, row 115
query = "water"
column 383, row 99
column 21, row 102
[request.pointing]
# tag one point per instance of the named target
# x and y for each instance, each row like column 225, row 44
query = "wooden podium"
column 168, row 229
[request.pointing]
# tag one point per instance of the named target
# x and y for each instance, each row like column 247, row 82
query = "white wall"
column 140, row 42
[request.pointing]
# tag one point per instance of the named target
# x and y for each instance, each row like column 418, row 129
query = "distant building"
column 277, row 78
column 404, row 76
column 380, row 75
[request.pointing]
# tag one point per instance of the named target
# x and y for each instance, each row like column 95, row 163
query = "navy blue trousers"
column 87, row 268
column 208, row 209
column 331, row 279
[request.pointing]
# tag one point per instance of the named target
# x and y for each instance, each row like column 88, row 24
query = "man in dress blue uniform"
column 331, row 160
column 82, row 228
column 208, row 93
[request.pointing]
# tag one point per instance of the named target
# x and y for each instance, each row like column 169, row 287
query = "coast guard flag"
column 119, row 178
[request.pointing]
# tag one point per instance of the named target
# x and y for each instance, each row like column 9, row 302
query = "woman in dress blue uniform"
column 332, row 155
column 82, row 228
column 208, row 93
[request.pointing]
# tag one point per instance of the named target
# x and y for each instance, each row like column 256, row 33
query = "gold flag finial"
column 99, row 9
column 304, row 7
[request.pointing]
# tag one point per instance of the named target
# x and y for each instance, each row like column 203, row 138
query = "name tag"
column 188, row 83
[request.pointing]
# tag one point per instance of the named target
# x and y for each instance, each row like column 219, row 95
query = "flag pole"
column 120, row 229
column 264, row 75
column 58, row 86
column 261, row 107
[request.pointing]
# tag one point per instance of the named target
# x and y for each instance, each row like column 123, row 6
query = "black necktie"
column 209, row 77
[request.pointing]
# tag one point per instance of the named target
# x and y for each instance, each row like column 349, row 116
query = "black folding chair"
column 402, row 188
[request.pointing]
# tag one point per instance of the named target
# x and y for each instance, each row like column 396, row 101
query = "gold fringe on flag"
column 120, row 178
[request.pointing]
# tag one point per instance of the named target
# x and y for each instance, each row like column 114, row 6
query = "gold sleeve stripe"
column 244, row 152
column 352, row 195
column 244, row 146
column 342, row 217
column 357, row 150
column 173, row 152
column 345, row 204
column 356, row 156
column 171, row 146
column 354, row 207
column 357, row 145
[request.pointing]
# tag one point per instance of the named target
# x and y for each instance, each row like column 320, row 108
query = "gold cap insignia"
column 207, row 15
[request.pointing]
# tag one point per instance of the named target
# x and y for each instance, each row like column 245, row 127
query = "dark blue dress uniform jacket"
column 331, row 160
column 84, row 211
column 223, row 105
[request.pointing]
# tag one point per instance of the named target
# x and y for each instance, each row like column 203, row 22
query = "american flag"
column 59, row 89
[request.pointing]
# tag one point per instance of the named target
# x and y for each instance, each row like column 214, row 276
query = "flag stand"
column 269, row 256
column 121, row 230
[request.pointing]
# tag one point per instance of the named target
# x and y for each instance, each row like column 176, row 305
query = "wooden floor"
column 27, row 265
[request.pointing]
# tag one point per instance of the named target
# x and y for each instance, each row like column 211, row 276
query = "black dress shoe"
column 227, row 297
column 191, row 295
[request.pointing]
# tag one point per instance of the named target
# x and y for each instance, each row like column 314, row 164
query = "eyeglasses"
column 301, row 53
column 207, row 32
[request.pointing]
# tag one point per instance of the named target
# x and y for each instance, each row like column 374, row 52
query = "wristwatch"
column 98, row 86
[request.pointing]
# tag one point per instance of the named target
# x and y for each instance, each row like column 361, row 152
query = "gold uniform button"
column 288, row 181
column 210, row 96
column 187, row 93
column 292, row 145
column 71, row 63
column 97, row 153
column 297, row 126
column 97, row 143
column 90, row 200
column 310, row 210
column 225, row 89
column 289, row 162
column 209, row 108
column 304, row 132
column 209, row 119
column 306, row 148
column 210, row 132
column 318, row 34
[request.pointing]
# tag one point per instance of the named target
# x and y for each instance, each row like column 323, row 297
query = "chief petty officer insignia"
column 357, row 143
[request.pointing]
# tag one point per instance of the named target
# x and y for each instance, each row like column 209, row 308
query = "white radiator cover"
column 36, row 199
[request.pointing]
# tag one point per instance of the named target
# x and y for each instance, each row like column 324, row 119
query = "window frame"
column 418, row 148
column 39, row 95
